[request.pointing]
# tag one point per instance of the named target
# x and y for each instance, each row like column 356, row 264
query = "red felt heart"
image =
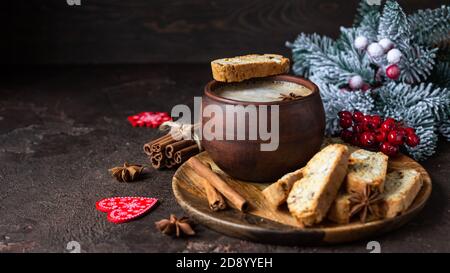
column 124, row 209
column 149, row 119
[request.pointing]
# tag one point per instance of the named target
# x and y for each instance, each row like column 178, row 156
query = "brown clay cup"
column 301, row 131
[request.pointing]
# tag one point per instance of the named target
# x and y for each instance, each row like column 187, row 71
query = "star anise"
column 290, row 96
column 365, row 202
column 175, row 226
column 127, row 173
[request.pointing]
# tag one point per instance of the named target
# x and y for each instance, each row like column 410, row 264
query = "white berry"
column 361, row 42
column 356, row 82
column 394, row 56
column 375, row 50
column 386, row 44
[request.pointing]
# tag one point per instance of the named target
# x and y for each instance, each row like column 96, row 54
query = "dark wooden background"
column 161, row 31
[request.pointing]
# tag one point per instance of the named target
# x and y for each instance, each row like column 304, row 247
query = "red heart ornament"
column 124, row 209
column 149, row 119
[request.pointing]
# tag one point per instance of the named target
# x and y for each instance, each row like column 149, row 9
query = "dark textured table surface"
column 62, row 128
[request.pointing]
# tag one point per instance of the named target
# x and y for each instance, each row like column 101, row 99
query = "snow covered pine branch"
column 390, row 64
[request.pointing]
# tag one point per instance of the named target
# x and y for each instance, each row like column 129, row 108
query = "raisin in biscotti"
column 242, row 68
column 277, row 193
column 401, row 187
column 365, row 167
column 312, row 196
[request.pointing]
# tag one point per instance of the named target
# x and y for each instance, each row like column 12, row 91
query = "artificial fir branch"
column 431, row 27
column 315, row 55
column 303, row 48
column 369, row 24
column 364, row 9
column 411, row 98
column 394, row 24
column 417, row 64
column 418, row 61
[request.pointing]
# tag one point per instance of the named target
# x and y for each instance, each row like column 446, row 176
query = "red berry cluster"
column 372, row 132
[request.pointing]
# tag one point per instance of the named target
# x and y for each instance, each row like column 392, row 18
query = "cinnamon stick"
column 156, row 163
column 157, row 160
column 185, row 153
column 221, row 186
column 158, row 156
column 162, row 150
column 174, row 147
column 147, row 146
column 170, row 162
column 215, row 199
column 160, row 146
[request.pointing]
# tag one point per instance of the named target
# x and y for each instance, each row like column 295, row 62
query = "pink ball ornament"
column 386, row 44
column 356, row 82
column 361, row 42
column 393, row 56
column 375, row 50
column 393, row 72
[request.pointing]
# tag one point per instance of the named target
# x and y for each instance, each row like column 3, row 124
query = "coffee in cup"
column 262, row 90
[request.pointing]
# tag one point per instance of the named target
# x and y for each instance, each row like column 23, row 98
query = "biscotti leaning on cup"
column 246, row 67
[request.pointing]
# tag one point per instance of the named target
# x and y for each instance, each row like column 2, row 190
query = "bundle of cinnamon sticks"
column 170, row 151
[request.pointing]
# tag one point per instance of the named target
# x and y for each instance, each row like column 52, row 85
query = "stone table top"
column 62, row 128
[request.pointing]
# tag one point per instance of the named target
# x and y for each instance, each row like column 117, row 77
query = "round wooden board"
column 263, row 224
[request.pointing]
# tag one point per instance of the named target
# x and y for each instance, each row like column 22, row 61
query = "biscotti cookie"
column 401, row 187
column 364, row 168
column 340, row 209
column 277, row 193
column 312, row 196
column 242, row 68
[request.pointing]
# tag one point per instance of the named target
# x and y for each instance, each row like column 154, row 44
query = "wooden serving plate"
column 264, row 224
